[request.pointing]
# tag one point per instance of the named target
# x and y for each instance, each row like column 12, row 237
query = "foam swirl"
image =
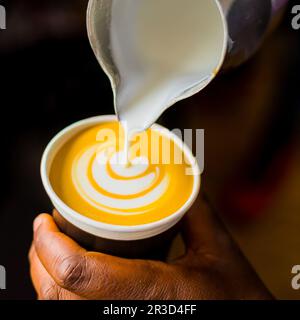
column 90, row 176
column 102, row 179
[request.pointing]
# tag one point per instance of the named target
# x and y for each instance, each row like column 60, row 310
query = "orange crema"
column 90, row 175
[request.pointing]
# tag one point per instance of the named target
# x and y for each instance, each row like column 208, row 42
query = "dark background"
column 49, row 78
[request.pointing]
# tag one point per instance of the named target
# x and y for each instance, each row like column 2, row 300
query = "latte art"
column 92, row 177
column 108, row 185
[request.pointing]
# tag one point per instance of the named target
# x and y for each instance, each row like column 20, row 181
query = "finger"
column 44, row 285
column 45, row 222
column 95, row 275
column 60, row 255
column 51, row 245
column 203, row 231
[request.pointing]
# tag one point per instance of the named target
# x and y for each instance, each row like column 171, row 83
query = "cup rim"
column 110, row 227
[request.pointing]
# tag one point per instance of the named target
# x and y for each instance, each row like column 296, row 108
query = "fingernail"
column 36, row 223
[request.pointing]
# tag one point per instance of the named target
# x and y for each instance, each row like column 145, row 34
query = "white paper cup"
column 129, row 241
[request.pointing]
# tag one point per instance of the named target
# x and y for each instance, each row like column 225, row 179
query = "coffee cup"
column 150, row 240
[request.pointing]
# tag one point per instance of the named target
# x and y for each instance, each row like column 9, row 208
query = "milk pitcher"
column 181, row 44
column 248, row 23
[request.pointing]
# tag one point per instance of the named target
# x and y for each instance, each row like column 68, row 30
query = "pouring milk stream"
column 156, row 53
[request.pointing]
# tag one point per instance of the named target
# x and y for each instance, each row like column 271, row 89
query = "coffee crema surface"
column 91, row 175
